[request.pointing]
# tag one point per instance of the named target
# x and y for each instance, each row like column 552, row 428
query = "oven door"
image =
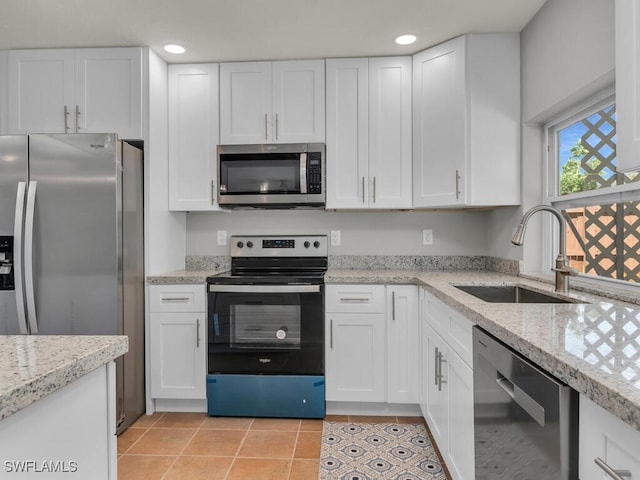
column 270, row 329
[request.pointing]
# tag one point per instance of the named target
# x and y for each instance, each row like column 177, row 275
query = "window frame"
column 551, row 172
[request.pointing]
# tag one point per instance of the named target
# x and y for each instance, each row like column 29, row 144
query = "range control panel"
column 279, row 246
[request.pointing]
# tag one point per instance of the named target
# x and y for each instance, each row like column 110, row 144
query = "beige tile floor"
column 193, row 446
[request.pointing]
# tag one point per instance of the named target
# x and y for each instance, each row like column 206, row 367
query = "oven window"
column 242, row 174
column 270, row 327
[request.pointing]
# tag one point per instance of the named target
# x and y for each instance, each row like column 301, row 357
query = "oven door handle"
column 264, row 288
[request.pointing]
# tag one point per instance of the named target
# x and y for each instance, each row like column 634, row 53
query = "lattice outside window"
column 603, row 236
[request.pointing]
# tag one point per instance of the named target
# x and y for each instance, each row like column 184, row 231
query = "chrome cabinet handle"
column 363, row 200
column 393, row 306
column 66, row 119
column 354, row 299
column 440, row 361
column 331, row 334
column 457, row 184
column 436, row 363
column 198, row 333
column 175, row 299
column 213, row 192
column 276, row 126
column 77, row 118
column 615, row 474
column 374, row 189
column 266, row 130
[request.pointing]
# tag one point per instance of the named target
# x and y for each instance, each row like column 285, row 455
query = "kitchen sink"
column 510, row 294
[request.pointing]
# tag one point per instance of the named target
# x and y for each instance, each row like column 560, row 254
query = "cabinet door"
column 40, row 91
column 390, row 166
column 601, row 435
column 347, row 133
column 298, row 101
column 460, row 448
column 355, row 357
column 627, row 28
column 108, row 91
column 402, row 344
column 439, row 125
column 437, row 408
column 193, row 136
column 178, row 355
column 245, row 102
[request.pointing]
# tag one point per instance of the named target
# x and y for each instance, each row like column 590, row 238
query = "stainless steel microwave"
column 271, row 176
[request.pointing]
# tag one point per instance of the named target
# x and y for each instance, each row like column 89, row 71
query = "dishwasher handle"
column 528, row 404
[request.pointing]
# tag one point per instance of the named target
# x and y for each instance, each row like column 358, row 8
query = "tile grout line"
column 235, row 457
column 295, row 446
column 183, row 449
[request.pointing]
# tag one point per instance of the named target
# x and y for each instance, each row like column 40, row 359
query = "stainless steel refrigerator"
column 71, row 246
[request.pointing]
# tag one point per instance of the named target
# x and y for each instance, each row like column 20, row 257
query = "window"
column 602, row 206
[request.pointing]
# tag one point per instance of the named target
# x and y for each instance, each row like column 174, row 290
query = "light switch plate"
column 427, row 237
column 222, row 237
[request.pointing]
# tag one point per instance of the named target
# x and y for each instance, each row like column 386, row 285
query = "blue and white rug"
column 378, row 451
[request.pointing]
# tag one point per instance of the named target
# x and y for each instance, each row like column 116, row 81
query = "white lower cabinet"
column 607, row 438
column 178, row 342
column 447, row 385
column 371, row 345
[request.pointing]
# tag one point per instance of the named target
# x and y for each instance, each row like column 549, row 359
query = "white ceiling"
column 226, row 30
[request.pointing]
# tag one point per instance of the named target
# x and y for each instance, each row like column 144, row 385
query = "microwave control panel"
column 314, row 173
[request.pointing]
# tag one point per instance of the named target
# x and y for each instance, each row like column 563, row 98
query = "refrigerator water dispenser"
column 6, row 263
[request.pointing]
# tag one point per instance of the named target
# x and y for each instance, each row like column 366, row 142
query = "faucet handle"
column 567, row 270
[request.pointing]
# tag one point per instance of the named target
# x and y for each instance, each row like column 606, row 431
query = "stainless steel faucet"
column 562, row 269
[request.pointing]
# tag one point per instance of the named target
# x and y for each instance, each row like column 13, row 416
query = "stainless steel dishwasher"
column 525, row 421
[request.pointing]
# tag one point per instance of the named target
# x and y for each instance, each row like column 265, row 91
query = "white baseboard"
column 374, row 409
column 180, row 405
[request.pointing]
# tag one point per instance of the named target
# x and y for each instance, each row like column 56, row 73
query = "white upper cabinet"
column 627, row 27
column 466, row 122
column 193, row 136
column 369, row 133
column 272, row 102
column 75, row 91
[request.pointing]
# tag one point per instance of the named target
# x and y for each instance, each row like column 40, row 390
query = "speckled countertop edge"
column 33, row 366
column 184, row 277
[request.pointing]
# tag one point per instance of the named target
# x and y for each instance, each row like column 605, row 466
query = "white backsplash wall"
column 362, row 233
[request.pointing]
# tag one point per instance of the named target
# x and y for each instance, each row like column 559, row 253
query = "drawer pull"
column 354, row 299
column 615, row 474
column 198, row 333
column 175, row 299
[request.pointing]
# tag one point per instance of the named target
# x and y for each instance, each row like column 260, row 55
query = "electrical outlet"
column 427, row 237
column 222, row 237
column 335, row 238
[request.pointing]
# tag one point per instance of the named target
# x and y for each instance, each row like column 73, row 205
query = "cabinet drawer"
column 355, row 298
column 453, row 327
column 177, row 298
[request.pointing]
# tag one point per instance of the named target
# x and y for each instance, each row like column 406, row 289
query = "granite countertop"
column 33, row 366
column 593, row 346
column 183, row 277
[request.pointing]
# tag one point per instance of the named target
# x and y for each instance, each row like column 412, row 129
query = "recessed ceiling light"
column 174, row 48
column 405, row 39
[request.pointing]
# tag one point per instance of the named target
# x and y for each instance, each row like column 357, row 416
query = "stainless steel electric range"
column 266, row 329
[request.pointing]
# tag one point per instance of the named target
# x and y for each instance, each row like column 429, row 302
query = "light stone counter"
column 182, row 277
column 34, row 366
column 593, row 346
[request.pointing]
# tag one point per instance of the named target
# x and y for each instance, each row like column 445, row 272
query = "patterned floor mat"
column 378, row 451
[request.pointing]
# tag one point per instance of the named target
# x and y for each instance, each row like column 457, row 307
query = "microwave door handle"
column 303, row 173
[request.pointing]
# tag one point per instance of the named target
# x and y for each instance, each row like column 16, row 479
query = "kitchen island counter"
column 592, row 345
column 34, row 366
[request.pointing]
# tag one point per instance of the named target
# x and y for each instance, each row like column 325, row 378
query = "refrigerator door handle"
column 28, row 257
column 17, row 256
